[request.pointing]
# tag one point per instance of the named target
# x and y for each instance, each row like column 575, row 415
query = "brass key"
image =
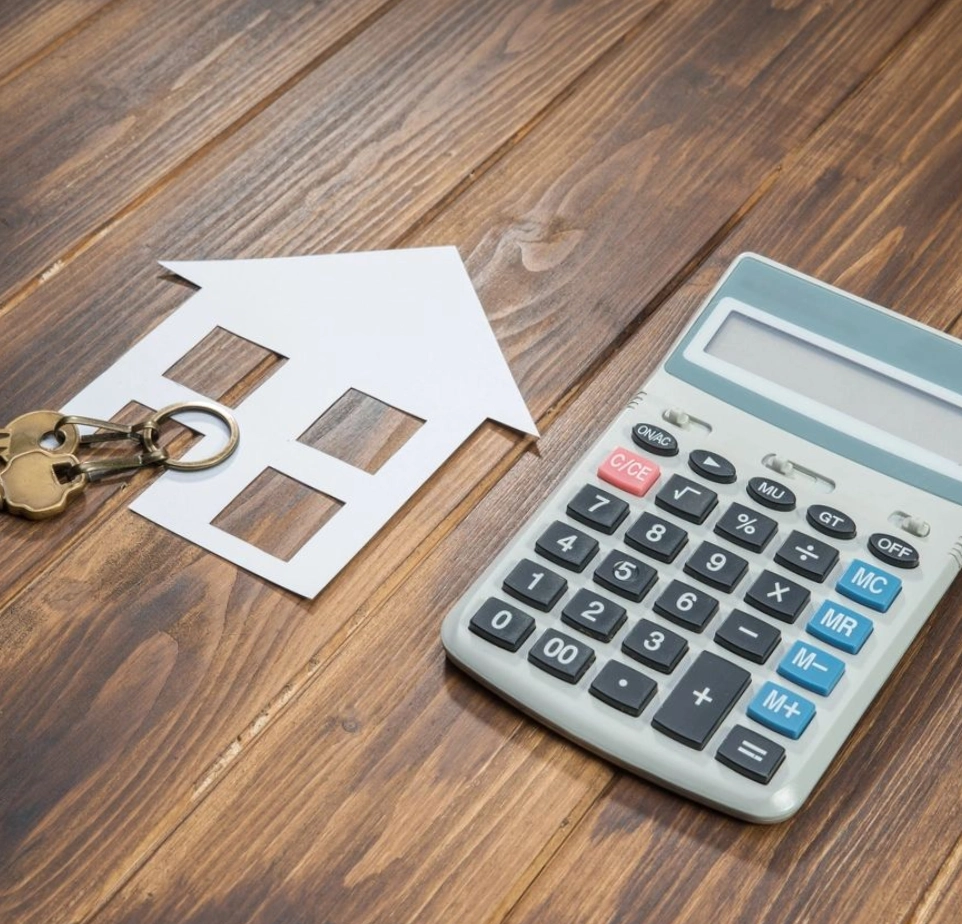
column 31, row 431
column 31, row 483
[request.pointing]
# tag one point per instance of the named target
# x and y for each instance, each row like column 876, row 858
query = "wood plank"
column 28, row 31
column 455, row 862
column 130, row 98
column 194, row 626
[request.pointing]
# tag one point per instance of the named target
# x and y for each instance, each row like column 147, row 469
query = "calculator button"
column 629, row 471
column 501, row 624
column 625, row 576
column 771, row 493
column 656, row 537
column 686, row 499
column 654, row 439
column 623, row 687
column 831, row 522
column 702, row 698
column 747, row 636
column 536, row 585
column 567, row 546
column 841, row 627
column 561, row 656
column 807, row 556
column 781, row 710
column 683, row 604
column 811, row 668
column 655, row 646
column 868, row 585
column 893, row 551
column 712, row 466
column 598, row 508
column 716, row 566
column 778, row 596
column 593, row 614
column 746, row 527
column 750, row 754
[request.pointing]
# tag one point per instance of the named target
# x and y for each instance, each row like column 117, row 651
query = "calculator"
column 717, row 590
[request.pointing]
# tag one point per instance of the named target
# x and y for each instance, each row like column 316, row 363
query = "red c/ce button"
column 629, row 471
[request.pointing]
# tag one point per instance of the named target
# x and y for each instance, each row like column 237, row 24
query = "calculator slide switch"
column 629, row 471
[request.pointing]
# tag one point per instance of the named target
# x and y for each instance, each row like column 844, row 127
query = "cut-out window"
column 225, row 367
column 361, row 430
column 277, row 514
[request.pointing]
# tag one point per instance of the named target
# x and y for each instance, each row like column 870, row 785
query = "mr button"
column 868, row 585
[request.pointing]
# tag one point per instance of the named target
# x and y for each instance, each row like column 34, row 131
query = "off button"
column 654, row 439
column 893, row 551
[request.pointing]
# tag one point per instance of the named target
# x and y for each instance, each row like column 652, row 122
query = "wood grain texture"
column 204, row 633
column 31, row 29
column 132, row 97
column 242, row 200
column 405, row 851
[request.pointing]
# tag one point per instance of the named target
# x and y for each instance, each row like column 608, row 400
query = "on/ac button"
column 629, row 471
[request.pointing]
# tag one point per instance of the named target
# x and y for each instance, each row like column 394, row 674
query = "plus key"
column 699, row 703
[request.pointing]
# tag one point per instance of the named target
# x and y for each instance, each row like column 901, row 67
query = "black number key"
column 716, row 566
column 598, row 509
column 683, row 604
column 623, row 687
column 501, row 624
column 655, row 646
column 656, row 537
column 747, row 636
column 561, row 656
column 567, row 546
column 536, row 585
column 686, row 499
column 750, row 754
column 777, row 596
column 593, row 614
column 625, row 576
column 807, row 556
column 700, row 701
column 746, row 527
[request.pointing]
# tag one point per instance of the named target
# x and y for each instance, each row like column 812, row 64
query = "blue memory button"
column 868, row 585
column 841, row 627
column 812, row 668
column 781, row 710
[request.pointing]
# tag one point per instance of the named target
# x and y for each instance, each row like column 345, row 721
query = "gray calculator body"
column 787, row 409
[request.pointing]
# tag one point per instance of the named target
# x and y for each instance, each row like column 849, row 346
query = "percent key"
column 746, row 527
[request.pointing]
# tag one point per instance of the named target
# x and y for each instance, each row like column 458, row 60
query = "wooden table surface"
column 182, row 742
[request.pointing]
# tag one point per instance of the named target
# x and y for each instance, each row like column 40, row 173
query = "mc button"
column 870, row 586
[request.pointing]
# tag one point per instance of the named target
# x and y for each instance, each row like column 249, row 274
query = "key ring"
column 149, row 430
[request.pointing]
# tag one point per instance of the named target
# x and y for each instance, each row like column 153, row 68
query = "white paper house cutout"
column 404, row 327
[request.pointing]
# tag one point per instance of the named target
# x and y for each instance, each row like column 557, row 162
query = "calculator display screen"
column 832, row 384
